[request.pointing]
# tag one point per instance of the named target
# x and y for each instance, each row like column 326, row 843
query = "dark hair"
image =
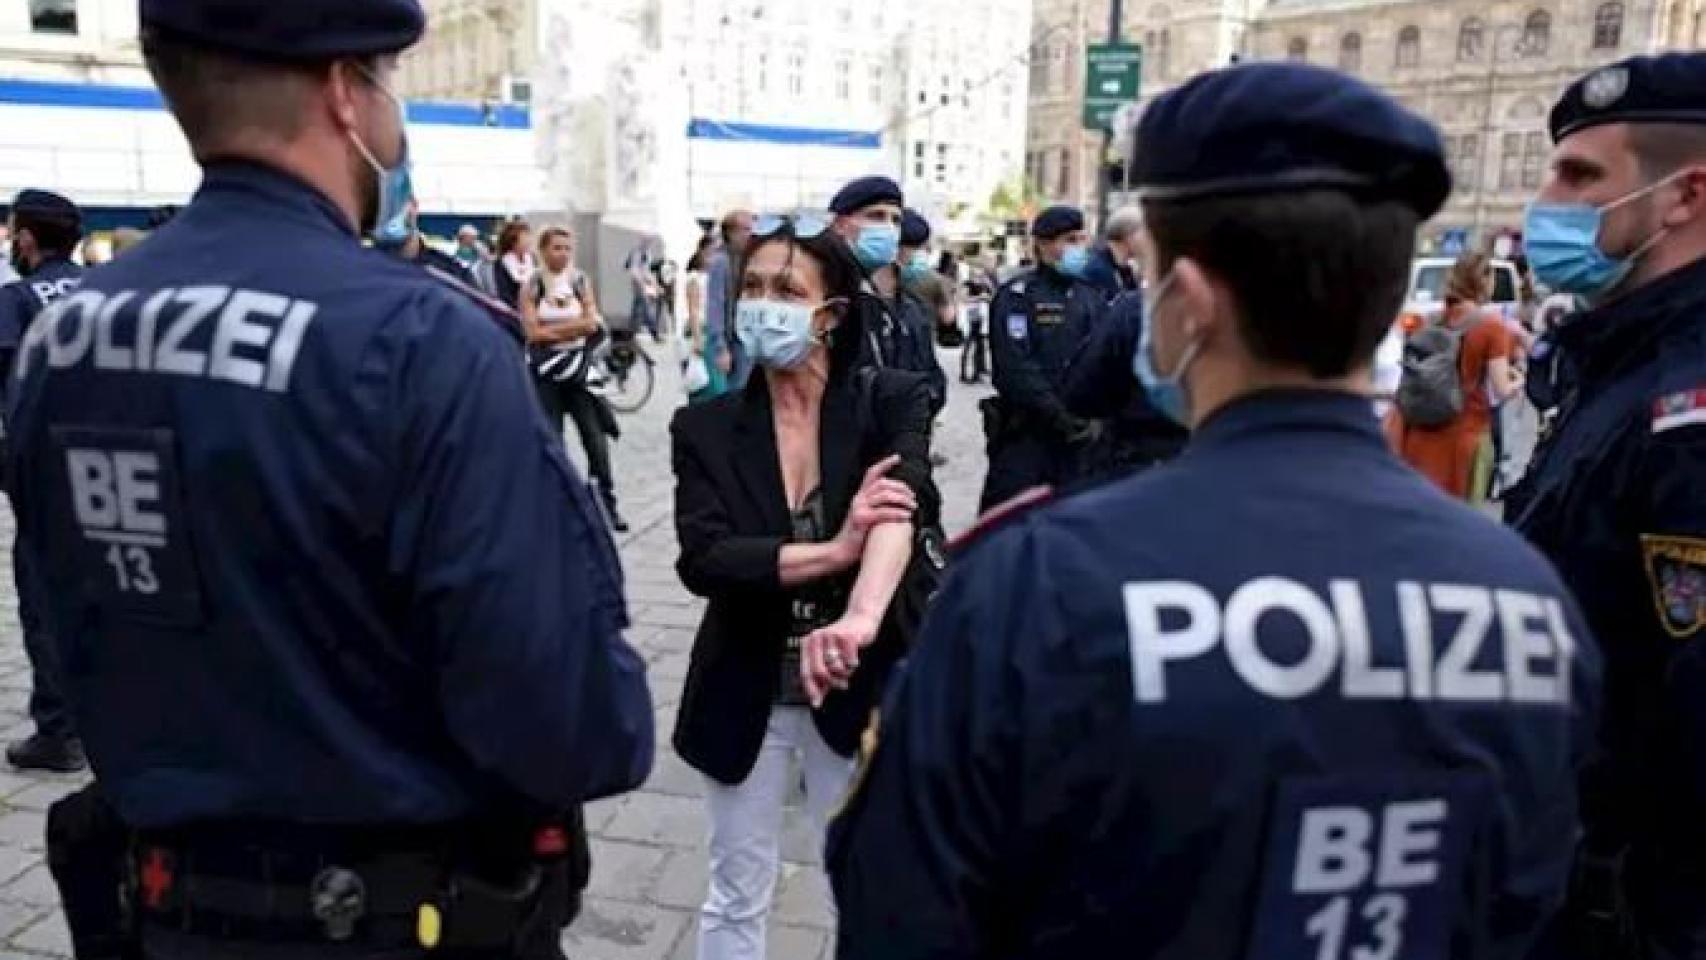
column 841, row 281
column 219, row 100
column 56, row 234
column 1318, row 275
column 1664, row 148
column 697, row 261
column 510, row 236
column 948, row 265
column 552, row 233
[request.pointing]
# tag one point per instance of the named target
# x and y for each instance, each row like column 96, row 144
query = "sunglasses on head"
column 806, row 225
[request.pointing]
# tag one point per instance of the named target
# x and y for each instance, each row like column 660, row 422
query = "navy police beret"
column 292, row 30
column 1055, row 221
column 41, row 203
column 865, row 192
column 914, row 229
column 1670, row 88
column 1272, row 127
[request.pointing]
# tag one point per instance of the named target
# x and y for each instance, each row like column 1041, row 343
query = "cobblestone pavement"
column 649, row 846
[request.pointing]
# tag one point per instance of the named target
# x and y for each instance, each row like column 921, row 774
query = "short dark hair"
column 56, row 234
column 220, row 99
column 1319, row 275
column 842, row 278
column 510, row 236
column 1664, row 148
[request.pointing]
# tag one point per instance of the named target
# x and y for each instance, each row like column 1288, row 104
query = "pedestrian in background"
column 703, row 348
column 1473, row 344
column 642, row 265
column 796, row 506
column 931, row 288
column 1112, row 268
column 515, row 264
column 469, row 251
column 559, row 312
column 722, row 286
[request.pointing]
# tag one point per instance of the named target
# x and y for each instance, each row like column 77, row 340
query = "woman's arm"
column 829, row 656
column 528, row 306
column 1502, row 375
column 695, row 313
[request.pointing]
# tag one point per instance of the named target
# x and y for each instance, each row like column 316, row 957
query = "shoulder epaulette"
column 1000, row 515
column 501, row 313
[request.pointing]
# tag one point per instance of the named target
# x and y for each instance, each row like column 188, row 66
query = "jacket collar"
column 1601, row 339
column 1289, row 409
column 291, row 195
column 759, row 467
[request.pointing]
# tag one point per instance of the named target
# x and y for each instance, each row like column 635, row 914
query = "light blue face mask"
column 877, row 246
column 1166, row 391
column 916, row 267
column 396, row 187
column 1562, row 244
column 1074, row 261
column 775, row 333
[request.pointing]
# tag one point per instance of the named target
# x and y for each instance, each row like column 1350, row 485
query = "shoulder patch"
column 1676, row 569
column 501, row 313
column 1681, row 409
column 999, row 516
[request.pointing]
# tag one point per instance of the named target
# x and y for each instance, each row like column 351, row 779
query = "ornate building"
column 1485, row 72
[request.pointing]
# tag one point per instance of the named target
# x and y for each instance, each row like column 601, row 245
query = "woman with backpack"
column 1456, row 367
column 560, row 316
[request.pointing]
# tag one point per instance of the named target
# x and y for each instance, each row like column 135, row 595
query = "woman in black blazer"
column 796, row 502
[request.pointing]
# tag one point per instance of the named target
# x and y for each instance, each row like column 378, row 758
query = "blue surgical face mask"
column 1166, row 391
column 1074, row 260
column 396, row 186
column 877, row 246
column 916, row 267
column 775, row 333
column 1562, row 244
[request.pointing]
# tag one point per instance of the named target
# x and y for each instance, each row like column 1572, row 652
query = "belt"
column 223, row 888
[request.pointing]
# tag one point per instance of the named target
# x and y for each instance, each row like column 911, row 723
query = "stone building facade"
column 1486, row 72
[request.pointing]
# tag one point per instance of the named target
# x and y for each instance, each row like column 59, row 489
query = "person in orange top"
column 1445, row 454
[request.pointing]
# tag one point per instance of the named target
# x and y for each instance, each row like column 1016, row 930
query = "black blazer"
column 731, row 518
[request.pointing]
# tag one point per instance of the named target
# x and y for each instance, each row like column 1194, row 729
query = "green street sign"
column 1112, row 76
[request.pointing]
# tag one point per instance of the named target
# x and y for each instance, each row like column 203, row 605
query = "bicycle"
column 630, row 373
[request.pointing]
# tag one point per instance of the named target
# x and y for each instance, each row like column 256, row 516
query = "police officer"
column 341, row 627
column 1617, row 495
column 923, row 299
column 1100, row 386
column 1278, row 698
column 1037, row 323
column 45, row 229
column 868, row 213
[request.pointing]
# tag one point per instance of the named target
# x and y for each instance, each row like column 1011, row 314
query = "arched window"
column 1297, row 48
column 1536, row 34
column 1471, row 38
column 1608, row 26
column 1350, row 52
column 1409, row 47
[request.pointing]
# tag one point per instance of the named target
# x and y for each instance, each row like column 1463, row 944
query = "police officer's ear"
column 1204, row 304
column 1691, row 182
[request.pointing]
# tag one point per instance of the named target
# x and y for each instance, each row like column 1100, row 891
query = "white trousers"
column 746, row 832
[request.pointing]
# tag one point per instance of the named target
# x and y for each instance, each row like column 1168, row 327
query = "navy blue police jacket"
column 1100, row 383
column 1109, row 277
column 23, row 300
column 1616, row 497
column 1038, row 322
column 1276, row 699
column 317, row 557
column 897, row 336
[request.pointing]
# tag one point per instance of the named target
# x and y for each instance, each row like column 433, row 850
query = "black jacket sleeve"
column 1100, row 383
column 714, row 559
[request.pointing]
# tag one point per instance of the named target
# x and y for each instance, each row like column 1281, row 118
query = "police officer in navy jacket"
column 1616, row 497
column 1275, row 699
column 46, row 229
column 340, row 624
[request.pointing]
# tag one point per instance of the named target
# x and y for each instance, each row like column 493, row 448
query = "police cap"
column 1055, row 221
column 1280, row 127
column 914, row 229
column 1670, row 88
column 42, row 204
column 290, row 30
column 866, row 192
